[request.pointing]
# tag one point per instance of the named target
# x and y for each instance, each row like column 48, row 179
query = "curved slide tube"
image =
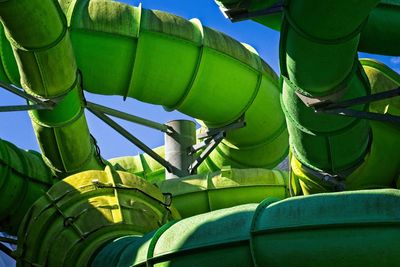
column 341, row 147
column 85, row 211
column 227, row 188
column 40, row 41
column 319, row 230
column 324, row 143
column 24, row 178
column 378, row 36
column 163, row 59
column 382, row 164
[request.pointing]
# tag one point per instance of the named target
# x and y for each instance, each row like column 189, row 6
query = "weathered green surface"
column 84, row 211
column 40, row 40
column 319, row 230
column 24, row 178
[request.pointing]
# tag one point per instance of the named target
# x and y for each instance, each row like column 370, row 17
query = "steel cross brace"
column 101, row 111
column 341, row 108
column 40, row 103
column 212, row 138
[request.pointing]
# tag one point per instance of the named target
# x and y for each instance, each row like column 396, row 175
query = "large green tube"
column 319, row 230
column 163, row 59
column 209, row 191
column 378, row 36
column 40, row 41
column 380, row 167
column 85, row 211
column 227, row 188
column 24, row 178
column 319, row 63
column 331, row 144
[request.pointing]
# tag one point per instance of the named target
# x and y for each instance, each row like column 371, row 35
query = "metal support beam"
column 132, row 139
column 38, row 103
column 23, row 108
column 178, row 145
column 128, row 117
column 212, row 144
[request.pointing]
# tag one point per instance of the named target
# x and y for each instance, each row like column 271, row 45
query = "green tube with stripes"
column 312, row 230
column 143, row 45
column 39, row 37
column 24, row 178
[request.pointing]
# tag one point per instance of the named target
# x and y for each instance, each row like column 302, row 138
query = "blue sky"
column 16, row 127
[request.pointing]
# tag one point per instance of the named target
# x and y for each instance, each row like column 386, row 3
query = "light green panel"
column 113, row 57
column 235, row 88
column 227, row 188
column 163, row 69
column 48, row 73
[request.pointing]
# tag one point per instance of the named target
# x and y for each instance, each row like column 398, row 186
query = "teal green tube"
column 319, row 230
column 40, row 41
column 24, row 178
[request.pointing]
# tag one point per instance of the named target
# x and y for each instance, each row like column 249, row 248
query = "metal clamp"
column 40, row 103
column 212, row 138
column 242, row 13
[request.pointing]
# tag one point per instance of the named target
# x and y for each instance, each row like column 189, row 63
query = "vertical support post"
column 178, row 143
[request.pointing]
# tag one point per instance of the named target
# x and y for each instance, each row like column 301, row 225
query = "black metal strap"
column 341, row 108
column 335, row 181
column 212, row 143
column 242, row 13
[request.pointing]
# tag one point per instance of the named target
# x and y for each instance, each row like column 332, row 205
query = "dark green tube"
column 378, row 35
column 24, row 178
column 317, row 62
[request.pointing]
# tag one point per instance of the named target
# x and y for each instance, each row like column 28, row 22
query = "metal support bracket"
column 40, row 103
column 242, row 13
column 341, row 108
column 240, row 123
column 212, row 138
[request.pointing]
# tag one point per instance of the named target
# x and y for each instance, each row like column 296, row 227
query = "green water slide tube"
column 163, row 59
column 24, row 178
column 381, row 165
column 258, row 119
column 378, row 33
column 318, row 56
column 318, row 230
column 85, row 211
column 40, row 42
